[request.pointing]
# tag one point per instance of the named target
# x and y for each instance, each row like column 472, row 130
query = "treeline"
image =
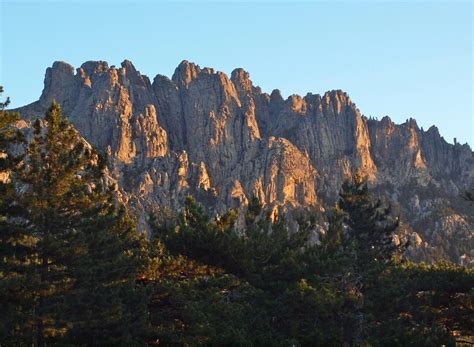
column 74, row 270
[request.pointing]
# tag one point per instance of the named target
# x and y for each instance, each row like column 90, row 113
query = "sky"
column 401, row 59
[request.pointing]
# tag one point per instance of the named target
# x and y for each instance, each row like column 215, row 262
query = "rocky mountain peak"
column 241, row 80
column 61, row 67
column 185, row 73
column 59, row 84
column 224, row 140
column 127, row 64
column 94, row 67
column 276, row 96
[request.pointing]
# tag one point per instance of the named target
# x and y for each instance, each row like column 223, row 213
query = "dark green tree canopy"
column 372, row 225
column 80, row 253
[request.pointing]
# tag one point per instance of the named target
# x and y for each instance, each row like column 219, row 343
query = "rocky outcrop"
column 224, row 140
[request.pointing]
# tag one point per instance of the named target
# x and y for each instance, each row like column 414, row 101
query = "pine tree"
column 86, row 254
column 104, row 304
column 9, row 136
column 273, row 271
column 4, row 104
column 371, row 224
column 332, row 240
column 424, row 305
column 16, row 243
column 370, row 249
column 260, row 253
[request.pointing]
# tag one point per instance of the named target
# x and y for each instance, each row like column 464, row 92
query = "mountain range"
column 224, row 140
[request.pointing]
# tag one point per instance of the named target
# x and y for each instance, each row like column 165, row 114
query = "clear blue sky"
column 402, row 59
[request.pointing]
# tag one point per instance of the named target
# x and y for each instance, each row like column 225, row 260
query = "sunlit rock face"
column 223, row 140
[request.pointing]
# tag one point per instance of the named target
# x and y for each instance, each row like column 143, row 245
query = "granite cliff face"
column 223, row 140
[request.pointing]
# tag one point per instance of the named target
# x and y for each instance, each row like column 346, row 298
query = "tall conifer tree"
column 16, row 245
column 85, row 253
column 369, row 246
column 371, row 224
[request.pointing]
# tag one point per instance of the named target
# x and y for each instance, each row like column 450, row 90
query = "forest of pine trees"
column 75, row 271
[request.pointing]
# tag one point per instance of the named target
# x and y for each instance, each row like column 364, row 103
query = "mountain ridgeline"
column 224, row 140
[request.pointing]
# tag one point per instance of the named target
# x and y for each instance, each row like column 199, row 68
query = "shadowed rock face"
column 224, row 140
